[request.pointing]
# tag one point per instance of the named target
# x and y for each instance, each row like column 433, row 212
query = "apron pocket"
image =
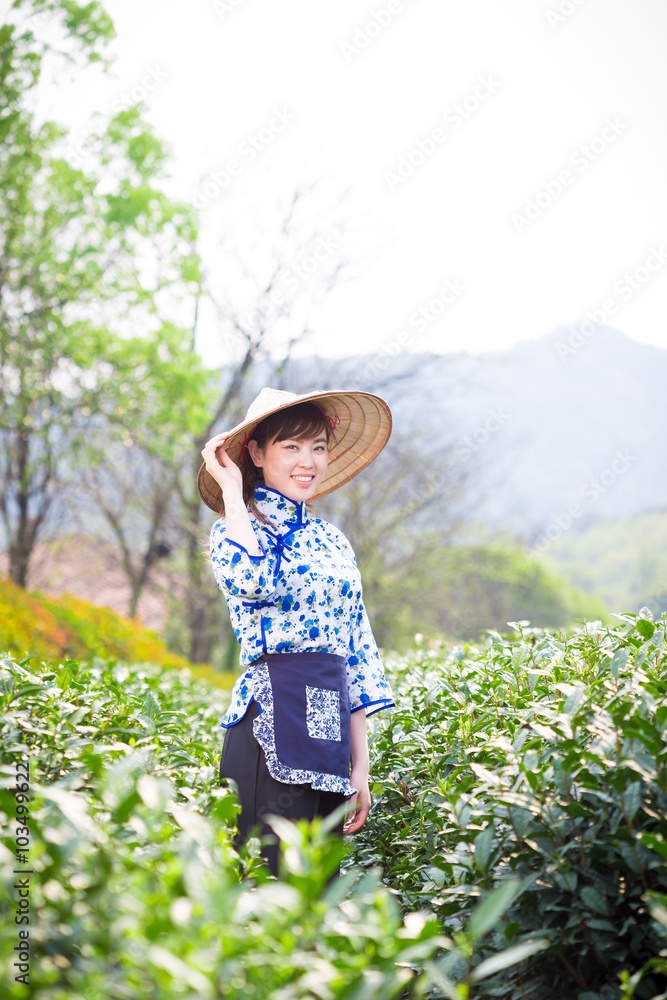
column 323, row 713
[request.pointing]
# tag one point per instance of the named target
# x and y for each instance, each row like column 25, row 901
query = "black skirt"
column 244, row 762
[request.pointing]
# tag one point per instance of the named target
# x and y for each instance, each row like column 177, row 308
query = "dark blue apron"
column 311, row 711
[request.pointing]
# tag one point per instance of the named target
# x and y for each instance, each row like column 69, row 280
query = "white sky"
column 554, row 88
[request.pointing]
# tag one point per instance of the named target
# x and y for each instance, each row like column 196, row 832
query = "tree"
column 71, row 287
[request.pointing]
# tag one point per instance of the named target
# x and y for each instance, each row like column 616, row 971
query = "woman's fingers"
column 358, row 816
column 347, row 828
column 220, row 466
column 213, row 450
column 217, row 440
column 354, row 823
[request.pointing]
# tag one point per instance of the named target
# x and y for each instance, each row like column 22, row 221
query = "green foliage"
column 461, row 590
column 32, row 624
column 88, row 25
column 519, row 814
column 73, row 718
column 625, row 561
column 542, row 758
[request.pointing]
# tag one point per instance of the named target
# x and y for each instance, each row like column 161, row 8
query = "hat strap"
column 246, row 437
column 332, row 421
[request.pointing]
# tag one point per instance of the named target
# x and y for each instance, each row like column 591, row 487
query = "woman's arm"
column 360, row 803
column 238, row 526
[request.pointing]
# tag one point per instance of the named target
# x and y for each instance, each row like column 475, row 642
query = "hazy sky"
column 506, row 162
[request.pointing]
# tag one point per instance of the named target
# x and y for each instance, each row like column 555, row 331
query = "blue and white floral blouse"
column 302, row 594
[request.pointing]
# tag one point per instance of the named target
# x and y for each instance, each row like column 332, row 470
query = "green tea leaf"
column 505, row 959
column 594, row 900
column 573, row 701
column 645, row 628
column 618, row 661
column 483, row 848
column 487, row 913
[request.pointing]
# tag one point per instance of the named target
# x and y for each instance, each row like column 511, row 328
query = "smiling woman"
column 295, row 741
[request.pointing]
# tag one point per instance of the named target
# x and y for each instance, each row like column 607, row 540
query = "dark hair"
column 298, row 421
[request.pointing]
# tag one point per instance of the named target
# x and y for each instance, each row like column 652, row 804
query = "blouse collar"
column 279, row 508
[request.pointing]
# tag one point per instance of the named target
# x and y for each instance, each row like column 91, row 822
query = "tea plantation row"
column 516, row 846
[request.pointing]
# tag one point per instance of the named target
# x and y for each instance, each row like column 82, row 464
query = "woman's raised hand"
column 230, row 479
column 226, row 474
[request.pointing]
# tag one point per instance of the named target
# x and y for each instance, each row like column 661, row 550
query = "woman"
column 295, row 740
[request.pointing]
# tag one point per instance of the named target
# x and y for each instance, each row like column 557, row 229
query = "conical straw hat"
column 361, row 423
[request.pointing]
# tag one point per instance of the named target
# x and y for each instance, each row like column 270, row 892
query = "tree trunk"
column 199, row 604
column 22, row 539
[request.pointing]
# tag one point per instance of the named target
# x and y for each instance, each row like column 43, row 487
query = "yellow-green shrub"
column 68, row 627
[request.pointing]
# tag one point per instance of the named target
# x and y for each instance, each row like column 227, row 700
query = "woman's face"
column 295, row 467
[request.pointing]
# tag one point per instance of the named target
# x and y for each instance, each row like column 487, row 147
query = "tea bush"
column 135, row 886
column 542, row 758
column 519, row 820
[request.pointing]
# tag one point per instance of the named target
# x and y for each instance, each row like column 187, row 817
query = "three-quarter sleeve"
column 237, row 572
column 367, row 684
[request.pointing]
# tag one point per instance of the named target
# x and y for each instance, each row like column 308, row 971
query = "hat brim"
column 362, row 428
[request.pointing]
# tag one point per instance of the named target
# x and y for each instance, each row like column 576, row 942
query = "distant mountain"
column 560, row 431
